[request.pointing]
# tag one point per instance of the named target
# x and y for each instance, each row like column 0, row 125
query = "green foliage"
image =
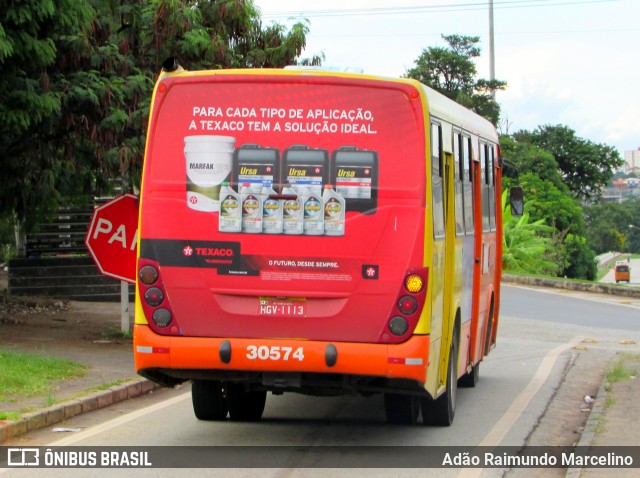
column 580, row 259
column 526, row 244
column 31, row 103
column 569, row 246
column 586, row 167
column 558, row 172
column 620, row 371
column 528, row 158
column 552, row 205
column 452, row 71
column 76, row 78
column 608, row 228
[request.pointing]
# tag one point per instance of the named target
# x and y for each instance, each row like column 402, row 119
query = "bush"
column 580, row 258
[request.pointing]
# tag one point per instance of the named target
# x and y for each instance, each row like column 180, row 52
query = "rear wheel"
column 245, row 406
column 442, row 410
column 209, row 402
column 401, row 409
column 487, row 338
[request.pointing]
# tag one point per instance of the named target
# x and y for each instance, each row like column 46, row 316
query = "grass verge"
column 620, row 371
column 27, row 375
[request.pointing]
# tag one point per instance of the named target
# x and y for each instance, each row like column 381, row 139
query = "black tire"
column 470, row 379
column 401, row 409
column 209, row 402
column 441, row 411
column 487, row 338
column 245, row 406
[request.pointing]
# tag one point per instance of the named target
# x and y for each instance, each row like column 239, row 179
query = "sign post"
column 112, row 241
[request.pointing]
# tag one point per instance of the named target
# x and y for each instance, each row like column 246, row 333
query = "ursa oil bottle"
column 334, row 212
column 251, row 210
column 313, row 212
column 354, row 175
column 257, row 165
column 292, row 211
column 272, row 212
column 230, row 219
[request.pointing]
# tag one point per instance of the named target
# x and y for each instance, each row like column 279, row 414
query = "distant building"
column 632, row 162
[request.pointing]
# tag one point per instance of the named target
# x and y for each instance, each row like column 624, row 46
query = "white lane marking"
column 519, row 405
column 116, row 422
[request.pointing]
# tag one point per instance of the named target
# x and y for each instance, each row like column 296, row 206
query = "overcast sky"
column 569, row 62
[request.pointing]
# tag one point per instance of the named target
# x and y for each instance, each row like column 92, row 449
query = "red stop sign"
column 112, row 238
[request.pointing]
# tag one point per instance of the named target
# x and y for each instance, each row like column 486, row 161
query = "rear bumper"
column 183, row 358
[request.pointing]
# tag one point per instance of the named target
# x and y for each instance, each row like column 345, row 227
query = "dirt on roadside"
column 85, row 332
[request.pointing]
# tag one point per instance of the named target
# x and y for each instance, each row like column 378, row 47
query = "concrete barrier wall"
column 596, row 287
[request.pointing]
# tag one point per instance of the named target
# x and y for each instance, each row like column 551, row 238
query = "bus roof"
column 445, row 108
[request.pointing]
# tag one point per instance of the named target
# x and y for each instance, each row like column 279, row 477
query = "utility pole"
column 492, row 60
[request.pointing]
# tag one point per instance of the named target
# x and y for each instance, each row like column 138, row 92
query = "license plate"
column 276, row 307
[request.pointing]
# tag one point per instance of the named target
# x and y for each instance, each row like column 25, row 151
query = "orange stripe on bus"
column 380, row 360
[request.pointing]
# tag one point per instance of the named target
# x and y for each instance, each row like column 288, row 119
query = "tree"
column 525, row 244
column 30, row 105
column 549, row 203
column 76, row 78
column 608, row 226
column 451, row 71
column 528, row 158
column 586, row 167
column 580, row 259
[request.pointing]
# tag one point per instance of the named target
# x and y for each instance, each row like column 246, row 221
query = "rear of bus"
column 321, row 313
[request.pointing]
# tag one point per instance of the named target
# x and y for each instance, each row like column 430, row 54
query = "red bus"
column 320, row 233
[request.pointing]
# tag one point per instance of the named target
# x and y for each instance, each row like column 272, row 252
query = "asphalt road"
column 538, row 331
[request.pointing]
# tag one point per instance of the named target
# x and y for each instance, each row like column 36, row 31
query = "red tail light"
column 154, row 300
column 408, row 305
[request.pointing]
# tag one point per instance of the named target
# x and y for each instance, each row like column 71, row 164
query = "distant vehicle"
column 622, row 272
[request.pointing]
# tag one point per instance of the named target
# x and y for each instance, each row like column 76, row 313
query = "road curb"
column 65, row 410
column 592, row 423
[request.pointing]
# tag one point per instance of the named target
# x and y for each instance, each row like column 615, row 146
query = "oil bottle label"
column 252, row 213
column 257, row 176
column 292, row 212
column 272, row 216
column 313, row 215
column 354, row 182
column 230, row 214
column 305, row 176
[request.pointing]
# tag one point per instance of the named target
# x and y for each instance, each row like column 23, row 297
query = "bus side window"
column 484, row 186
column 458, row 183
column 492, row 187
column 468, row 181
column 436, row 180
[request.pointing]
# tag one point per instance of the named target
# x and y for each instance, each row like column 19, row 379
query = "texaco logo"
column 370, row 271
column 187, row 251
